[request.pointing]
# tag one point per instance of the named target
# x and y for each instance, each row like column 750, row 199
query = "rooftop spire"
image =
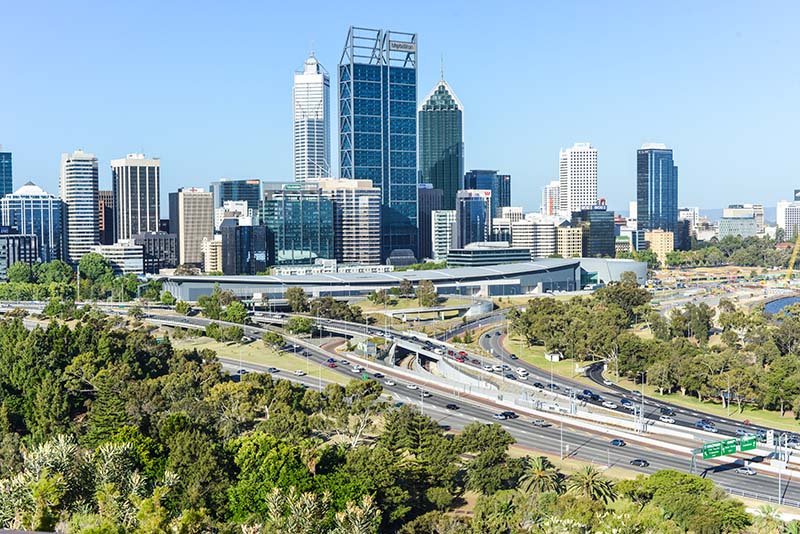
column 441, row 66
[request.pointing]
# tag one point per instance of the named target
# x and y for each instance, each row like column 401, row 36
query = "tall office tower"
column 788, row 218
column 597, row 224
column 160, row 250
column 356, row 220
column 230, row 190
column 430, row 200
column 577, row 171
column 78, row 191
column 136, row 185
column 191, row 216
column 498, row 184
column 301, row 220
column 442, row 223
column 6, row 175
column 105, row 216
column 32, row 211
column 246, row 249
column 656, row 189
column 311, row 96
column 473, row 219
column 16, row 247
column 378, row 126
column 441, row 144
column 550, row 198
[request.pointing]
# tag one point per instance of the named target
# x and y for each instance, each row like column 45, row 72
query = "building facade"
column 551, row 194
column 598, row 228
column 473, row 217
column 231, row 190
column 136, row 181
column 577, row 170
column 486, row 254
column 569, row 241
column 430, row 200
column 378, row 126
column 6, row 173
column 661, row 243
column 689, row 214
column 356, row 220
column 16, row 247
column 105, row 216
column 79, row 193
column 312, row 122
column 498, row 184
column 441, row 145
column 33, row 211
column 538, row 237
column 212, row 254
column 159, row 250
column 442, row 225
column 787, row 214
column 191, row 213
column 656, row 188
column 737, row 226
column 246, row 249
column 125, row 256
column 301, row 220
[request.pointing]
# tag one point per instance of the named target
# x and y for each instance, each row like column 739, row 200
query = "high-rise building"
column 230, row 190
column 599, row 236
column 661, row 242
column 569, row 241
column 656, row 188
column 136, row 185
column 246, row 249
column 577, row 171
column 689, row 214
column 378, row 126
column 301, row 220
column 6, row 174
column 538, row 237
column 441, row 144
column 442, row 223
column 473, row 217
column 311, row 96
column 356, row 220
column 191, row 215
column 159, row 249
column 16, row 247
column 33, row 211
column 105, row 216
column 78, row 191
column 430, row 200
column 498, row 184
column 125, row 256
column 550, row 198
column 211, row 248
column 788, row 218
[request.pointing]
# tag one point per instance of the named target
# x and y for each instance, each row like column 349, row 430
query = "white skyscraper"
column 78, row 191
column 136, row 181
column 577, row 178
column 311, row 147
column 551, row 194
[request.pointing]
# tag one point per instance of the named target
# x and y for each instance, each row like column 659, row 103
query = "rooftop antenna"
column 442, row 66
column 312, row 48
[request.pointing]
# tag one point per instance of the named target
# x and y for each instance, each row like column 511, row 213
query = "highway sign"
column 729, row 446
column 748, row 443
column 712, row 450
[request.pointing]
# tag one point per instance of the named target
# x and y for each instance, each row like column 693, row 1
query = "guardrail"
column 761, row 497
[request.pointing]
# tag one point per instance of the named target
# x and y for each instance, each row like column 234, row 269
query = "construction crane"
column 793, row 259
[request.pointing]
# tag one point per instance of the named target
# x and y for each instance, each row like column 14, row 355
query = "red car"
column 450, row 352
column 331, row 365
column 460, row 359
column 462, row 353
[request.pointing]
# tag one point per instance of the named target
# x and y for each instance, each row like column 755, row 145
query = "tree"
column 299, row 325
column 626, row 294
column 135, row 312
column 94, row 266
column 588, row 482
column 235, row 312
column 53, row 272
column 273, row 340
column 380, row 296
column 19, row 273
column 167, row 299
column 182, row 307
column 406, row 288
column 541, row 476
column 426, row 294
column 297, row 299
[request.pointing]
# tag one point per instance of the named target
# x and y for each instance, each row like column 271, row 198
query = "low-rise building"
column 16, row 247
column 125, row 256
column 569, row 241
column 487, row 253
column 661, row 243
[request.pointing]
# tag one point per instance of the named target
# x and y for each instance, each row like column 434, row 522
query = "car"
column 610, row 405
column 331, row 360
column 709, row 428
column 510, row 376
column 242, row 371
column 451, row 406
column 345, row 363
column 390, row 383
column 487, row 367
column 608, row 382
column 626, row 402
column 581, row 397
column 510, row 415
column 505, row 367
column 636, row 393
column 741, row 432
column 522, row 377
column 588, row 392
column 541, row 423
column 617, row 442
column 398, row 404
column 749, row 471
column 451, row 352
column 666, row 410
column 497, row 368
column 377, row 375
column 709, row 422
column 299, row 373
column 462, row 353
column 460, row 359
column 355, row 369
column 500, row 416
column 331, row 365
column 273, row 370
column 538, row 385
column 426, row 394
column 666, row 419
column 412, row 386
column 553, row 387
column 595, row 397
column 640, row 462
column 475, row 361
column 438, row 351
column 513, row 356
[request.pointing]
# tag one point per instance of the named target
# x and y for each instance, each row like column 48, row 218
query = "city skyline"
column 607, row 115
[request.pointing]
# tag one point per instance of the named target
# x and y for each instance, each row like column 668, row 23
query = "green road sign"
column 729, row 446
column 712, row 450
column 364, row 376
column 748, row 443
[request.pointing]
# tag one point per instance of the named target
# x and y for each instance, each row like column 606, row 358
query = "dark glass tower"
column 5, row 173
column 441, row 143
column 473, row 220
column 656, row 188
column 378, row 126
column 498, row 184
column 227, row 189
column 597, row 224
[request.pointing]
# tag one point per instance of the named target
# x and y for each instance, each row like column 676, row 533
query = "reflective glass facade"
column 656, row 189
column 5, row 173
column 33, row 211
column 378, row 127
column 236, row 190
column 473, row 221
column 441, row 144
column 498, row 184
column 598, row 232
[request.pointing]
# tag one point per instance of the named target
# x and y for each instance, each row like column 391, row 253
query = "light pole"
column 561, row 437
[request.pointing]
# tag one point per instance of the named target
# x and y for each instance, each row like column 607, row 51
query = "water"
column 777, row 305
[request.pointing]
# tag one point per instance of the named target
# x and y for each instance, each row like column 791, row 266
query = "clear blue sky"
column 206, row 86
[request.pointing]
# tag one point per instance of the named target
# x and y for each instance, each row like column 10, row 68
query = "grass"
column 522, row 300
column 535, row 356
column 258, row 354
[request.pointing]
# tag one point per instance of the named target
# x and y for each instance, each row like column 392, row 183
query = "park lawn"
column 258, row 354
column 535, row 356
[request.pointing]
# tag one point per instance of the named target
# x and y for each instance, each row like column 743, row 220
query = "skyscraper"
column 6, row 175
column 441, row 144
column 378, row 126
column 550, row 198
column 498, row 184
column 228, row 189
column 597, row 224
column 430, row 200
column 356, row 220
column 78, row 191
column 656, row 189
column 442, row 222
column 246, row 249
column 136, row 185
column 577, row 171
column 473, row 219
column 311, row 97
column 33, row 211
column 105, row 216
column 191, row 215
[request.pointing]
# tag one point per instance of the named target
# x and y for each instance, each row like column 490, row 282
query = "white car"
column 299, row 373
column 608, row 382
column 610, row 405
column 487, row 367
column 412, row 386
column 355, row 369
column 666, row 419
column 390, row 383
column 498, row 368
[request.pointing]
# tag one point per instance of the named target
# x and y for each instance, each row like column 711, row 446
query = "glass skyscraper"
column 229, row 189
column 33, row 211
column 498, row 184
column 656, row 188
column 473, row 219
column 378, row 126
column 441, row 143
column 6, row 183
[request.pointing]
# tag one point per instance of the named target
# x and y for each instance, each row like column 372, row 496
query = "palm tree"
column 590, row 483
column 540, row 476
